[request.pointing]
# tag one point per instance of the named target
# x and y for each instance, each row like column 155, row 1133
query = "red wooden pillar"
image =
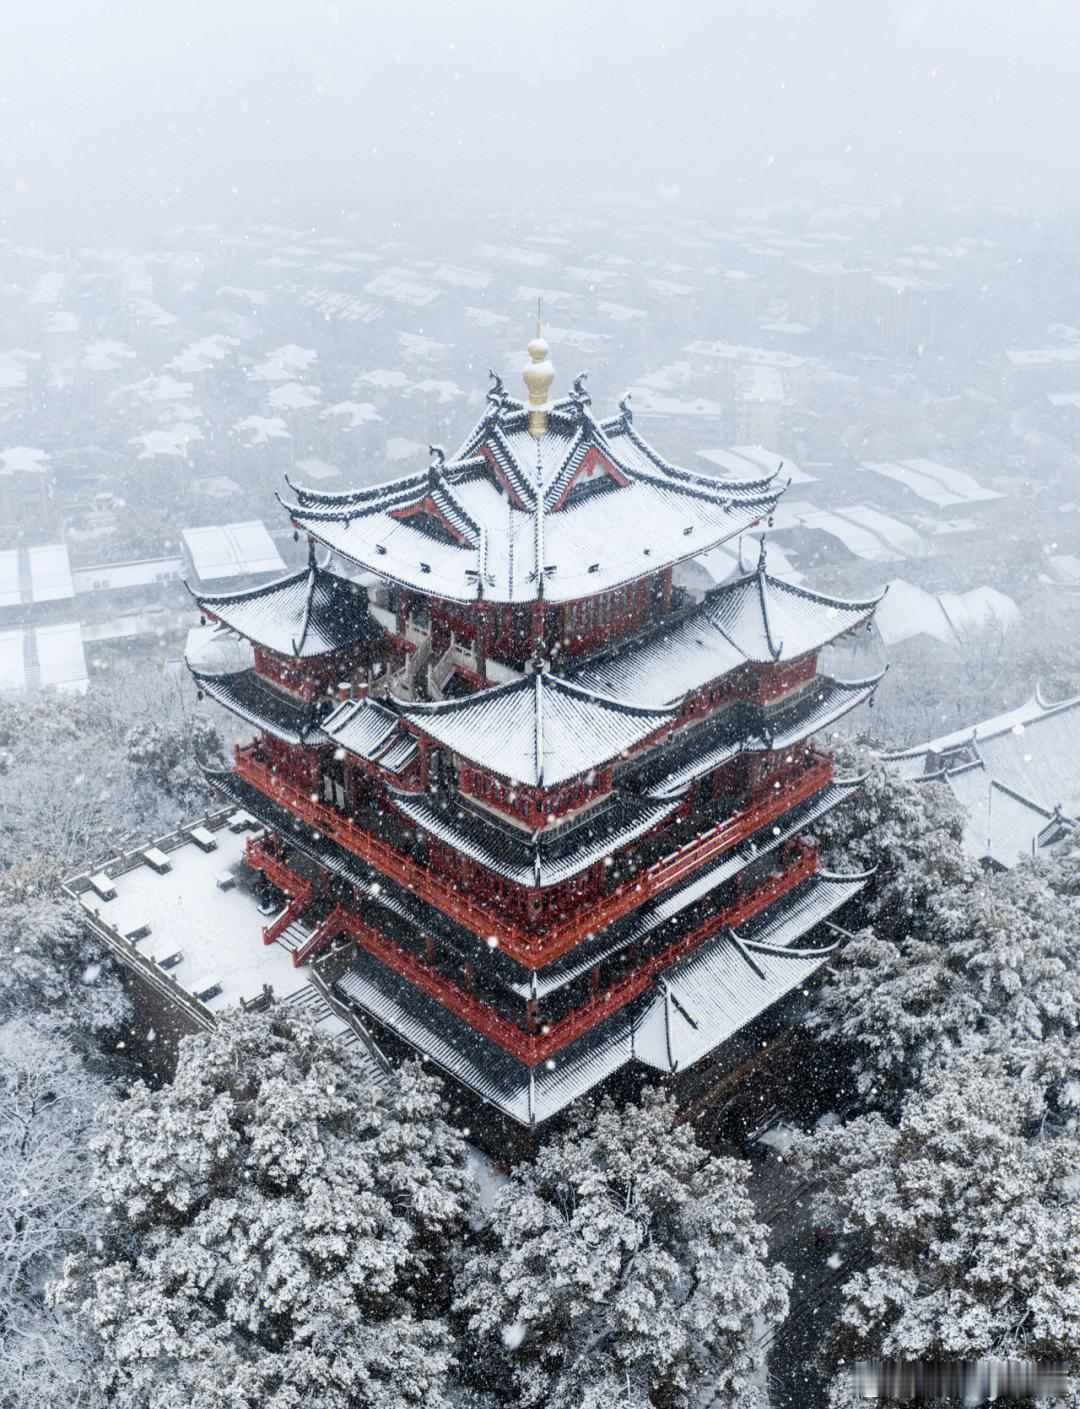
column 425, row 763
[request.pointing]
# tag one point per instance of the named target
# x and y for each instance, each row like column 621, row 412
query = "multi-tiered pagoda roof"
column 560, row 812
column 514, row 518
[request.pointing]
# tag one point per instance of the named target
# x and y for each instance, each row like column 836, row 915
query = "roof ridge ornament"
column 496, row 393
column 438, row 460
column 578, row 395
column 538, row 376
column 624, row 408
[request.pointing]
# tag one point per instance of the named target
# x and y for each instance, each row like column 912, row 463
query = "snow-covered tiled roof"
column 712, row 994
column 220, row 551
column 754, row 618
column 540, row 859
column 529, row 1095
column 540, row 730
column 1014, row 775
column 503, row 519
column 824, row 703
column 309, row 614
column 373, row 732
column 251, row 698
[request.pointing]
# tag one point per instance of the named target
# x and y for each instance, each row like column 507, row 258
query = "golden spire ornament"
column 538, row 376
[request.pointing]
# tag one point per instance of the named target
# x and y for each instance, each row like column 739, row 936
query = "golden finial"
column 538, row 376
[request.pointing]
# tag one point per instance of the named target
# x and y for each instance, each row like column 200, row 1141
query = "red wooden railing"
column 533, row 950
column 533, row 1048
column 299, row 891
column 320, row 937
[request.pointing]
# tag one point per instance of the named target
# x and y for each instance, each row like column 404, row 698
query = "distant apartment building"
column 901, row 312
column 761, row 406
column 895, row 312
column 1044, row 369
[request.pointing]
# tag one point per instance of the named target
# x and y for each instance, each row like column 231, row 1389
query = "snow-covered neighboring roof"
column 261, row 429
column 938, row 484
column 292, row 396
column 1015, row 775
column 401, row 286
column 222, row 551
column 1064, row 568
column 44, row 658
column 359, row 413
column 753, row 356
column 308, row 614
column 23, row 460
column 41, row 574
column 14, row 365
column 506, row 518
column 283, row 364
column 868, row 533
column 171, row 441
column 540, row 730
column 139, row 572
column 907, row 611
column 216, row 487
column 201, row 355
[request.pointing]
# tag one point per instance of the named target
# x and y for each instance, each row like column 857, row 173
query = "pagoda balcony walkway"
column 533, row 1048
column 534, row 950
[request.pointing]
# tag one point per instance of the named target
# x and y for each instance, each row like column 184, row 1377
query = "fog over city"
column 539, row 704
column 114, row 111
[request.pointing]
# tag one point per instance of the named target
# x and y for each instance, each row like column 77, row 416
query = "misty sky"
column 122, row 114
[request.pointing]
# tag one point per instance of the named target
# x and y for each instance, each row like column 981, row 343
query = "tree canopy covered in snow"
column 278, row 1230
column 48, row 1096
column 623, row 1266
column 79, row 774
column 955, row 959
column 969, row 1213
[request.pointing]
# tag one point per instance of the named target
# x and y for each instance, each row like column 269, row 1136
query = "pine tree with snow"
column 280, row 1232
column 624, row 1266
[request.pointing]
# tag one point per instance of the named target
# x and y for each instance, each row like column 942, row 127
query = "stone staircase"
column 310, row 1000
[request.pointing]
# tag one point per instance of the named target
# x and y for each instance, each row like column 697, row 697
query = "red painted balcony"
column 533, row 950
column 533, row 1048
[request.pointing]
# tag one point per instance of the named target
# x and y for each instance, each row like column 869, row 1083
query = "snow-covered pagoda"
column 527, row 807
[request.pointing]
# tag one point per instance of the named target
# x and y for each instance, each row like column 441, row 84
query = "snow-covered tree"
column 624, row 1266
column 956, row 959
column 48, row 1096
column 78, row 775
column 279, row 1232
column 49, row 963
column 911, row 832
column 967, row 1221
column 163, row 755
